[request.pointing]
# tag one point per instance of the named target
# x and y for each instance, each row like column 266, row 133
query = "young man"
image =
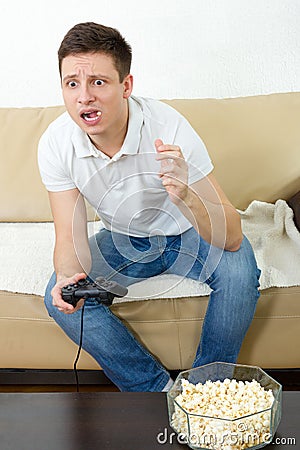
column 149, row 177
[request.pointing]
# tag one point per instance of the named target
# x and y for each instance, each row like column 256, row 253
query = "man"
column 149, row 177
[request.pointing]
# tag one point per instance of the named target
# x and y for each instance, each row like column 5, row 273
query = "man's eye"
column 72, row 84
column 98, row 82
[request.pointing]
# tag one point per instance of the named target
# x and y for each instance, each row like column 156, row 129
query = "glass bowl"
column 222, row 414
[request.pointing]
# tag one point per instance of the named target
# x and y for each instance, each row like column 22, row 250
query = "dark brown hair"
column 90, row 37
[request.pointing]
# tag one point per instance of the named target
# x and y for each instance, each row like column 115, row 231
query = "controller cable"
column 79, row 349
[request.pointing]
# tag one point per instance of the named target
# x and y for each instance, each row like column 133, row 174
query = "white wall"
column 182, row 48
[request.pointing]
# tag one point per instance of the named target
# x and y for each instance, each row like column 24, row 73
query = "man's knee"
column 240, row 267
column 48, row 297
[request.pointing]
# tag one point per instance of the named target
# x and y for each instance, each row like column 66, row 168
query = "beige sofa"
column 254, row 143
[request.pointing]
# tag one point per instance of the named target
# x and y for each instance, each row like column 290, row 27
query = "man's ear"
column 127, row 86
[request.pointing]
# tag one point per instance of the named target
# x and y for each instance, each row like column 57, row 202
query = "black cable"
column 79, row 350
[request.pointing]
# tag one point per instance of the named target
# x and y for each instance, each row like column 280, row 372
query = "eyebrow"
column 96, row 76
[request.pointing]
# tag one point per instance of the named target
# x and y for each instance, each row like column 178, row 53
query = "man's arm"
column 203, row 203
column 212, row 215
column 72, row 259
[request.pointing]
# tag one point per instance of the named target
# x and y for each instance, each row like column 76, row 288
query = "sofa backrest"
column 23, row 197
column 254, row 143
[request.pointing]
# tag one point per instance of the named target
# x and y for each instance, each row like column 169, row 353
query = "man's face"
column 93, row 94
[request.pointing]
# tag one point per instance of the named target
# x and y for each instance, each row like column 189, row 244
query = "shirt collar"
column 84, row 147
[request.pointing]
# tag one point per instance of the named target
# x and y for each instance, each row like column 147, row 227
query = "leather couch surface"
column 254, row 144
column 170, row 329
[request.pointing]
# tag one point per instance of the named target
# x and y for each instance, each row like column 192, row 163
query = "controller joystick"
column 101, row 289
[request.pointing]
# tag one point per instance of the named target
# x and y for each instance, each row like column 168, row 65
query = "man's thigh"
column 191, row 256
column 123, row 258
column 195, row 258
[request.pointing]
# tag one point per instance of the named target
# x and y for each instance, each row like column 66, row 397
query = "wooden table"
column 107, row 420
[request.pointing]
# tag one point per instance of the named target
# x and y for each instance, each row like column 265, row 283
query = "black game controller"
column 103, row 290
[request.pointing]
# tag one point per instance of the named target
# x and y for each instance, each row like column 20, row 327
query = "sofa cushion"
column 22, row 195
column 170, row 328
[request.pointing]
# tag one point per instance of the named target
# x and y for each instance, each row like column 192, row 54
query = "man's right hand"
column 57, row 298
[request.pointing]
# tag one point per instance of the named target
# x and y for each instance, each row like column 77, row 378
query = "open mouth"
column 91, row 116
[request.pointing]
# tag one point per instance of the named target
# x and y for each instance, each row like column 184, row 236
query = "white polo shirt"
column 125, row 190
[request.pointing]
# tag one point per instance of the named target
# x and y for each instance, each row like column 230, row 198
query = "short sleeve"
column 194, row 151
column 53, row 173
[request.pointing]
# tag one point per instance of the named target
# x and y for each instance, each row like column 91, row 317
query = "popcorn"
column 216, row 414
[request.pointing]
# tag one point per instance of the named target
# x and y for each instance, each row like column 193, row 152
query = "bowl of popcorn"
column 223, row 406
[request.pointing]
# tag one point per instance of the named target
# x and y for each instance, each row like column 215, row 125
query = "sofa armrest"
column 294, row 204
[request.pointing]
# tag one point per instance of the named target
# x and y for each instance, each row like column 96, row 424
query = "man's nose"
column 85, row 95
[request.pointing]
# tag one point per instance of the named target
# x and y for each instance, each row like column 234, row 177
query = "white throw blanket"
column 26, row 255
column 276, row 242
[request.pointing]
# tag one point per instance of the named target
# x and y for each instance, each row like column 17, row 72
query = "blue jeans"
column 232, row 276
